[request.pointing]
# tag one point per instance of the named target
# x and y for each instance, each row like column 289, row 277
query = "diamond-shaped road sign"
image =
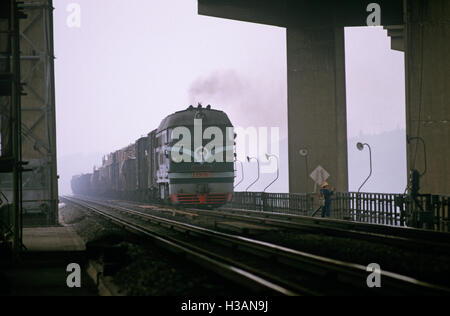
column 319, row 175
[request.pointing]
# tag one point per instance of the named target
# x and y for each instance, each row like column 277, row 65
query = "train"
column 187, row 160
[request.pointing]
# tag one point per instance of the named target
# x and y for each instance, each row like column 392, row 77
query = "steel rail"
column 205, row 259
column 352, row 273
column 394, row 231
column 326, row 226
column 401, row 237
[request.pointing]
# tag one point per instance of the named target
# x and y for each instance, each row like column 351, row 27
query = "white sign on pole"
column 319, row 175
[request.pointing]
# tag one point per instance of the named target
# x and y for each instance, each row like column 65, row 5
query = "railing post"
column 263, row 198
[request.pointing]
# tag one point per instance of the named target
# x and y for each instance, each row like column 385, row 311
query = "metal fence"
column 300, row 204
column 425, row 211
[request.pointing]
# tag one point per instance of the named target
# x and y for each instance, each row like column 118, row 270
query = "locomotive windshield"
column 211, row 144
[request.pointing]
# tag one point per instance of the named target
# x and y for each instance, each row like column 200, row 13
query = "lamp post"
column 360, row 147
column 242, row 172
column 278, row 171
column 304, row 153
column 257, row 161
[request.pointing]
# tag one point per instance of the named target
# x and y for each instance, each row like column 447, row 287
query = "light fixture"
column 257, row 161
column 360, row 147
column 278, row 170
column 242, row 172
column 303, row 152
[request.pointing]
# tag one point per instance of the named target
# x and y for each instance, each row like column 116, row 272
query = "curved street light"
column 278, row 170
column 257, row 161
column 242, row 172
column 360, row 147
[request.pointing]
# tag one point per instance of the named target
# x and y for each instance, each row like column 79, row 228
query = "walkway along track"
column 320, row 275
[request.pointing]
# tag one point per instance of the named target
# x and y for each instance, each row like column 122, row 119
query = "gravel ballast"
column 143, row 269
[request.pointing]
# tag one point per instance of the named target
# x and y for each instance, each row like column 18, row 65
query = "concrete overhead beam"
column 302, row 12
column 258, row 11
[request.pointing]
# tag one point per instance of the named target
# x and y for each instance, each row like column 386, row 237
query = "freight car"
column 82, row 184
column 188, row 159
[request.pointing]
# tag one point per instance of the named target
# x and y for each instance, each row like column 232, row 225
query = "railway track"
column 262, row 266
column 400, row 237
column 405, row 238
column 204, row 258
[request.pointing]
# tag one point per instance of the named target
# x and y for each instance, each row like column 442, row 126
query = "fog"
column 131, row 63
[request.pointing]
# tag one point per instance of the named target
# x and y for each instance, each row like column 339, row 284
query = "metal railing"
column 300, row 204
column 376, row 208
column 425, row 211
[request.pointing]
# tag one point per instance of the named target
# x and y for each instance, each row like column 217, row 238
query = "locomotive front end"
column 199, row 154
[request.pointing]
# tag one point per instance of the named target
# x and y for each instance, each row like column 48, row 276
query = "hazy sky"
column 131, row 63
column 375, row 77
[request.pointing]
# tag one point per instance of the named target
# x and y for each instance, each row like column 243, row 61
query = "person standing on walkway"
column 325, row 195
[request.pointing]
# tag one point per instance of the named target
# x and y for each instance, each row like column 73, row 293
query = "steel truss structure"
column 38, row 127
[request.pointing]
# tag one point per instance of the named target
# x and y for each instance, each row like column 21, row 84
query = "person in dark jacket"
column 326, row 194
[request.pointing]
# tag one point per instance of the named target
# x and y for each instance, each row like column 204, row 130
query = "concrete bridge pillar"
column 427, row 58
column 316, row 105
